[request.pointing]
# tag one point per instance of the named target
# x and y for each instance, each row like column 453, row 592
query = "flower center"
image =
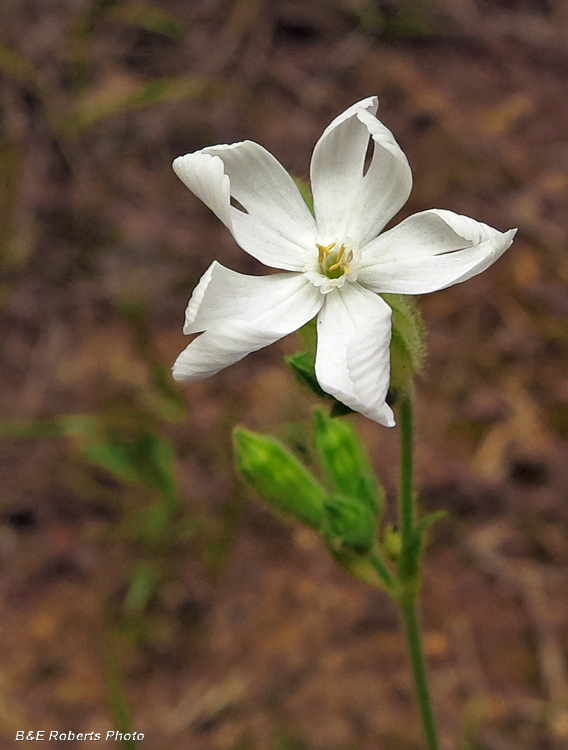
column 334, row 260
column 334, row 264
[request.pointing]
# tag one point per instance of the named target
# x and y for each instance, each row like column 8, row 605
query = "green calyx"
column 350, row 525
column 408, row 342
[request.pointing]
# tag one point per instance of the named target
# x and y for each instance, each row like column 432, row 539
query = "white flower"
column 337, row 264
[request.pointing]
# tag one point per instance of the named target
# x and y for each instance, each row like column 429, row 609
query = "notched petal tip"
column 197, row 297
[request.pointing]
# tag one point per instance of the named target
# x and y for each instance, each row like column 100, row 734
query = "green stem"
column 406, row 498
column 409, row 571
column 413, row 639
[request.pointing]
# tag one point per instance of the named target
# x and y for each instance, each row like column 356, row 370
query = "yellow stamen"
column 323, row 251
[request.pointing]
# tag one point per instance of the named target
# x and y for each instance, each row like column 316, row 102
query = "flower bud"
column 278, row 477
column 344, row 461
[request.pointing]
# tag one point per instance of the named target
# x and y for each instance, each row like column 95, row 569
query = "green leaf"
column 339, row 410
column 303, row 367
column 349, row 524
column 344, row 461
column 304, row 370
column 278, row 477
column 147, row 459
column 425, row 523
column 115, row 457
column 157, row 467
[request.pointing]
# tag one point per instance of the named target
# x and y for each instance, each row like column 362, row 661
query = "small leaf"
column 431, row 518
column 303, row 367
column 147, row 459
column 114, row 457
column 157, row 469
column 344, row 461
column 339, row 410
column 278, row 477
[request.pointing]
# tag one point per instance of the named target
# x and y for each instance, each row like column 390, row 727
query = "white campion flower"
column 336, row 263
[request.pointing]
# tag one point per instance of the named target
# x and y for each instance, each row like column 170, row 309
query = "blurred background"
column 143, row 586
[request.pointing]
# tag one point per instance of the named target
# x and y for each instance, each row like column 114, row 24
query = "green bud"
column 344, row 461
column 278, row 477
column 349, row 525
column 408, row 346
column 392, row 542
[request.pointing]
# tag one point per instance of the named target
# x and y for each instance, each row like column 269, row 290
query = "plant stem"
column 418, row 664
column 409, row 571
column 406, row 497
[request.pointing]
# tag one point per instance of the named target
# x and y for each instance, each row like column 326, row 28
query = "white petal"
column 346, row 201
column 429, row 251
column 353, row 356
column 222, row 345
column 241, row 314
column 277, row 227
column 280, row 302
